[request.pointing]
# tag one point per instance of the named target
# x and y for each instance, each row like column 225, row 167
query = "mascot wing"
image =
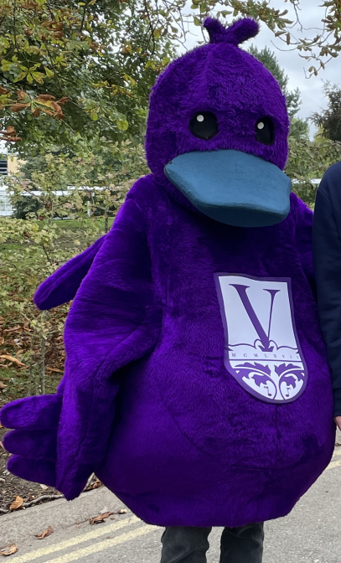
column 62, row 286
column 112, row 322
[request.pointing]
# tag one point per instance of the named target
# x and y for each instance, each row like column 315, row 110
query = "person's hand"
column 337, row 420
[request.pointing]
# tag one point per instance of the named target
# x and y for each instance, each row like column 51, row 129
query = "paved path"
column 310, row 534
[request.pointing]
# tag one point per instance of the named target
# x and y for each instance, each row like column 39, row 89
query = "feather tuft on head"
column 237, row 33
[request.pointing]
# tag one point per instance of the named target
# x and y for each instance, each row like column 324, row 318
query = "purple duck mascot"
column 196, row 383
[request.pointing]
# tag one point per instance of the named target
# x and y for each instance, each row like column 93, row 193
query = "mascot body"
column 196, row 382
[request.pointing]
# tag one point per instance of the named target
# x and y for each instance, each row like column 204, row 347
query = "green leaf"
column 6, row 65
column 21, row 76
column 122, row 124
column 130, row 79
column 49, row 73
column 38, row 77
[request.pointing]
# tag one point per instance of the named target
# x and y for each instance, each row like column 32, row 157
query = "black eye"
column 265, row 131
column 204, row 125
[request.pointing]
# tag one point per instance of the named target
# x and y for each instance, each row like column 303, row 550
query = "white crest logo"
column 262, row 350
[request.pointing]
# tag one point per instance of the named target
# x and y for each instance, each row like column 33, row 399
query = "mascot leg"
column 242, row 545
column 181, row 544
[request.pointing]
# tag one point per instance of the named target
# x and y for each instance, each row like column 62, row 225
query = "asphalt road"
column 310, row 534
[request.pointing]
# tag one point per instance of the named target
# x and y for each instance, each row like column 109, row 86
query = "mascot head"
column 218, row 131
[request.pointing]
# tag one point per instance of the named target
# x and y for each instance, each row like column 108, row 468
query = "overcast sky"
column 311, row 89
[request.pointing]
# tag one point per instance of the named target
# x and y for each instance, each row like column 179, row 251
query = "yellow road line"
column 101, row 546
column 100, row 531
column 334, row 464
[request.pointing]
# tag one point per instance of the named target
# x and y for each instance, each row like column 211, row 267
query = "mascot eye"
column 204, row 125
column 265, row 131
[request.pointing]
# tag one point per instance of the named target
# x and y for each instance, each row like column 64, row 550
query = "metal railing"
column 6, row 208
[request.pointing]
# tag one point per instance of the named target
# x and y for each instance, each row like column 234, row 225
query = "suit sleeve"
column 303, row 238
column 327, row 262
column 114, row 320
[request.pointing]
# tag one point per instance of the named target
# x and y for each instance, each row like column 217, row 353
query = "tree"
column 308, row 160
column 329, row 120
column 93, row 181
column 32, row 249
column 104, row 56
column 317, row 51
column 299, row 127
column 88, row 65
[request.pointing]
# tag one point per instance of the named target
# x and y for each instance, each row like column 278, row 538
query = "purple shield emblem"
column 262, row 351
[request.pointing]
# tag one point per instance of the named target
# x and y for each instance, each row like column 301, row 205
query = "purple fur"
column 64, row 283
column 221, row 78
column 146, row 401
column 237, row 33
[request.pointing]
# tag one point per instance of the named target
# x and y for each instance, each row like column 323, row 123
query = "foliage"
column 329, row 120
column 95, row 61
column 25, row 206
column 96, row 58
column 308, row 160
column 126, row 160
column 62, row 184
column 31, row 342
column 299, row 127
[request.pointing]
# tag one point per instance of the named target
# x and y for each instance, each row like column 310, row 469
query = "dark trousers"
column 189, row 545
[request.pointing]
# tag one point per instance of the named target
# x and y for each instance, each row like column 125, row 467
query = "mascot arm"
column 303, row 237
column 61, row 439
column 62, row 286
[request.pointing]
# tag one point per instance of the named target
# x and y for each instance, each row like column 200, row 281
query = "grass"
column 67, row 228
column 74, row 224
